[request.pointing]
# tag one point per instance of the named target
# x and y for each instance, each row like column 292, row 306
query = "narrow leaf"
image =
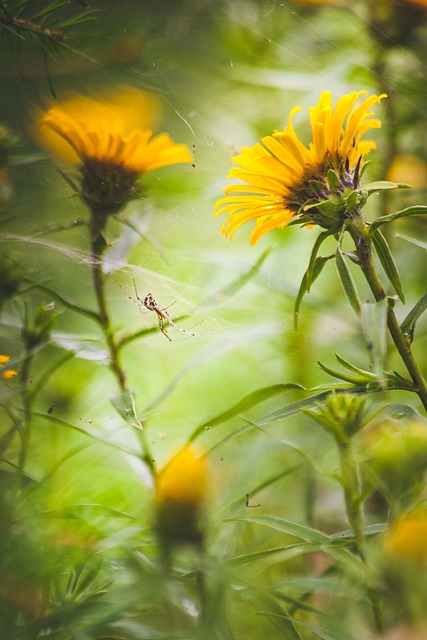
column 374, row 327
column 285, row 526
column 352, row 367
column 416, row 210
column 246, row 403
column 300, row 406
column 388, row 263
column 383, row 185
column 416, row 241
column 358, row 379
column 408, row 325
column 266, row 605
column 368, row 530
column 309, row 273
column 316, row 271
column 66, row 303
column 124, row 404
column 82, row 511
column 347, row 281
column 285, row 552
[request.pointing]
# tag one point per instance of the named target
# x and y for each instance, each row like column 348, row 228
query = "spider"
column 149, row 303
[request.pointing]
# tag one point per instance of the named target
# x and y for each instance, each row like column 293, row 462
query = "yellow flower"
column 282, row 176
column 183, row 481
column 180, row 495
column 111, row 140
column 8, row 374
column 407, row 539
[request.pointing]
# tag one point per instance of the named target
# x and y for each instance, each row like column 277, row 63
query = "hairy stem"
column 359, row 231
column 96, row 225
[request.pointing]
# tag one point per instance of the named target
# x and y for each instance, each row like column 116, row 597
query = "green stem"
column 96, row 226
column 359, row 231
column 350, row 478
column 25, row 428
column 97, row 223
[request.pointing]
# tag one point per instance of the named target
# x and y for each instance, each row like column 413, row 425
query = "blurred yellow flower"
column 8, row 374
column 180, row 495
column 282, row 175
column 408, row 169
column 407, row 538
column 183, row 480
column 111, row 140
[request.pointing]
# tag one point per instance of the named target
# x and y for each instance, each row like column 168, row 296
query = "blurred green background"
column 227, row 73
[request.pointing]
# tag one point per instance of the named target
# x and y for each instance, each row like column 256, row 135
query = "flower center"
column 107, row 186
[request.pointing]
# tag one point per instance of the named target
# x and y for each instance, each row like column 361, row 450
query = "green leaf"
column 416, row 210
column 300, row 406
column 408, row 325
column 66, row 303
column 309, row 273
column 124, row 404
column 244, row 404
column 85, row 511
column 352, row 367
column 234, row 434
column 356, row 380
column 416, row 241
column 347, row 281
column 317, row 269
column 267, row 605
column 285, row 526
column 382, row 185
column 388, row 263
column 285, row 552
column 96, row 437
column 368, row 530
column 374, row 327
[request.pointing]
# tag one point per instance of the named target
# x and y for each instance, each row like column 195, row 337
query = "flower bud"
column 37, row 331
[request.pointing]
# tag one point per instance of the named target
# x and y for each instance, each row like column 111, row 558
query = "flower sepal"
column 333, row 212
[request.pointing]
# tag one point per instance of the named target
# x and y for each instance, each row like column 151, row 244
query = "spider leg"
column 136, row 293
column 161, row 327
